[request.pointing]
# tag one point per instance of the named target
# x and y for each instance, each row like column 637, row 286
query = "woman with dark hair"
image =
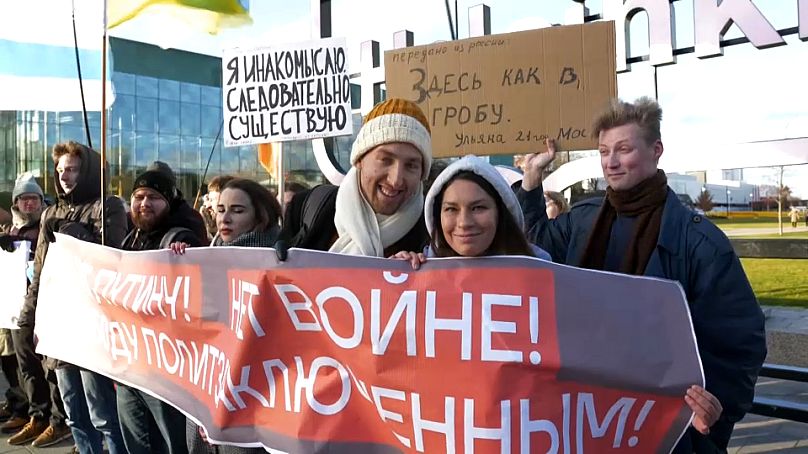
column 247, row 215
column 471, row 211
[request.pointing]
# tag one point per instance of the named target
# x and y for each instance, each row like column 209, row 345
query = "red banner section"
column 333, row 353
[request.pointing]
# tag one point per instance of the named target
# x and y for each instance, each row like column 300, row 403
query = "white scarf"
column 361, row 231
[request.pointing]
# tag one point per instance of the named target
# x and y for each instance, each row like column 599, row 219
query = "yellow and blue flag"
column 207, row 15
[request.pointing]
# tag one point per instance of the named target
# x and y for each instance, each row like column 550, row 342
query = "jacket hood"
column 485, row 170
column 88, row 187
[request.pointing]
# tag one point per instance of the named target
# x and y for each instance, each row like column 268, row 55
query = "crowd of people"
column 383, row 208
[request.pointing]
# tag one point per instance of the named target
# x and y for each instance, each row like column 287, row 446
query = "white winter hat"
column 485, row 170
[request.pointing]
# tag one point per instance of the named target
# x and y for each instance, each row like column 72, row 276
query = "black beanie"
column 157, row 181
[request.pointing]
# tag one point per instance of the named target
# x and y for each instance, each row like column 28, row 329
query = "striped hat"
column 394, row 120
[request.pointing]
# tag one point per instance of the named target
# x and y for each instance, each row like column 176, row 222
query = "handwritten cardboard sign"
column 499, row 354
column 504, row 94
column 291, row 92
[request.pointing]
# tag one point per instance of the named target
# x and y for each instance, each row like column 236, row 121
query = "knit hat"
column 161, row 166
column 157, row 181
column 26, row 184
column 394, row 120
column 485, row 170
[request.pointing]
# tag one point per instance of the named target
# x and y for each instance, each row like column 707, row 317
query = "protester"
column 471, row 211
column 556, row 204
column 193, row 217
column 77, row 179
column 641, row 228
column 247, row 215
column 795, row 217
column 291, row 188
column 150, row 425
column 208, row 209
column 377, row 209
column 27, row 205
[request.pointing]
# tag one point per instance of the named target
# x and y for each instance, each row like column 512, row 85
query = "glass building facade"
column 168, row 107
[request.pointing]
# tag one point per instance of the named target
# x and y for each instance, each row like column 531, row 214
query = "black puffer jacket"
column 77, row 214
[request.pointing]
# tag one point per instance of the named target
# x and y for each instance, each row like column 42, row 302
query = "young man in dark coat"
column 641, row 228
column 150, row 425
column 87, row 395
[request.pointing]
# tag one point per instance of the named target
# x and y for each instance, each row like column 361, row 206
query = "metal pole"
column 279, row 169
column 205, row 174
column 81, row 82
column 780, row 202
column 103, row 126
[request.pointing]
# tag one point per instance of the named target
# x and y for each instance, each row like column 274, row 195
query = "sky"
column 746, row 95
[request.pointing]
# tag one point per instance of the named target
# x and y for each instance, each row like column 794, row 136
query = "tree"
column 705, row 201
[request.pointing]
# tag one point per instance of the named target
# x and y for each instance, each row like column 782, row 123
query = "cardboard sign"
column 499, row 354
column 504, row 94
column 291, row 92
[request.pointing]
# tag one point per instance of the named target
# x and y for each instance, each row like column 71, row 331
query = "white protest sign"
column 290, row 92
column 14, row 283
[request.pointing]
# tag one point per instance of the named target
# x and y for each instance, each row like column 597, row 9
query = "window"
column 169, row 90
column 147, row 87
column 189, row 92
column 169, row 118
column 189, row 117
column 146, row 115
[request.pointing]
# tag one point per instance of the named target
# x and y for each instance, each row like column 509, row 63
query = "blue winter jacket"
column 727, row 319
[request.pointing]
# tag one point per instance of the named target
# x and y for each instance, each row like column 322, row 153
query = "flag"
column 207, row 15
column 38, row 58
column 268, row 158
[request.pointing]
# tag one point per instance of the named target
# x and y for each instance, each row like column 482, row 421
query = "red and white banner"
column 334, row 353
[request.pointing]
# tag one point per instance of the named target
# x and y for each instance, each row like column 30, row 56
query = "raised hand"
column 535, row 164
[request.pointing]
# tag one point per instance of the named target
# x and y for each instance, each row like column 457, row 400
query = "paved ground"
column 787, row 330
column 746, row 231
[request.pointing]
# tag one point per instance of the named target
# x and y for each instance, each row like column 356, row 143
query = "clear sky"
column 746, row 95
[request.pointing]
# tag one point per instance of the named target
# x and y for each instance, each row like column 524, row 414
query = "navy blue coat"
column 727, row 319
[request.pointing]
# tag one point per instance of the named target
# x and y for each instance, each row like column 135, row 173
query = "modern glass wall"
column 167, row 107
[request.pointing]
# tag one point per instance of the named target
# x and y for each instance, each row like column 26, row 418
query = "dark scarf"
column 265, row 238
column 645, row 202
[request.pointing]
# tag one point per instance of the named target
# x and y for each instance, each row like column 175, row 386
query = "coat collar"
column 670, row 232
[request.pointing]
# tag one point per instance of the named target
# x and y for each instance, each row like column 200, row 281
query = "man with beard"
column 86, row 394
column 27, row 199
column 150, row 425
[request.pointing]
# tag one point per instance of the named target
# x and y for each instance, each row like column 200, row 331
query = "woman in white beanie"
column 471, row 211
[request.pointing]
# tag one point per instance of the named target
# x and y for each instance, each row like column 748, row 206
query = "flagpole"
column 104, row 126
column 81, row 82
column 279, row 169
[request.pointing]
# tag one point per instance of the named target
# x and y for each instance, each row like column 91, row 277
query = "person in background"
column 208, row 209
column 27, row 205
column 556, row 204
column 290, row 189
column 641, row 228
column 247, row 215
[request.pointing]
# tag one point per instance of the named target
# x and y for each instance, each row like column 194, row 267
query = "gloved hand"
column 75, row 229
column 7, row 242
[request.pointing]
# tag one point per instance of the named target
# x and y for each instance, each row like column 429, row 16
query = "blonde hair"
column 644, row 112
column 559, row 200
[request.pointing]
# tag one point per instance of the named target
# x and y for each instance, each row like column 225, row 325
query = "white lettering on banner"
column 240, row 290
column 140, row 293
column 445, row 427
column 501, row 433
column 306, row 383
column 298, row 303
column 279, row 365
column 387, row 415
